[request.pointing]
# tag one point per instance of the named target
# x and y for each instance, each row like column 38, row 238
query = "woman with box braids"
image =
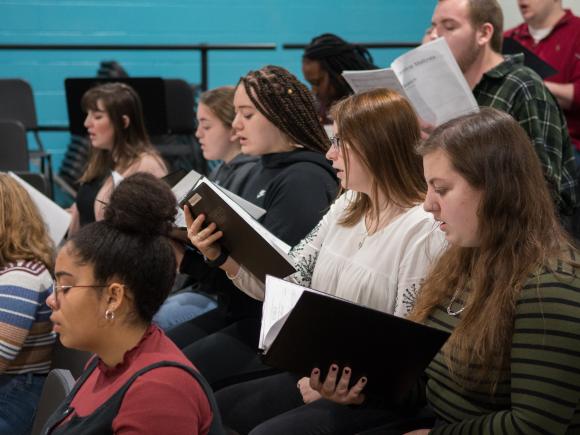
column 276, row 120
column 287, row 104
column 323, row 62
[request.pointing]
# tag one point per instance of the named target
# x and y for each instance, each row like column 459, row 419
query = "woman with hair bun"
column 111, row 277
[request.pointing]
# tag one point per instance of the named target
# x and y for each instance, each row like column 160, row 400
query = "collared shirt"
column 513, row 88
column 561, row 49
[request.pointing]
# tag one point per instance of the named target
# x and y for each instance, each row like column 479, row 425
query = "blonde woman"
column 26, row 338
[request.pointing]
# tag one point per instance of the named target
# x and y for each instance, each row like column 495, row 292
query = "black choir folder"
column 304, row 328
column 248, row 242
column 531, row 60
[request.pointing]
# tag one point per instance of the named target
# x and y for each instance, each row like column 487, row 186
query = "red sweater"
column 561, row 49
column 166, row 397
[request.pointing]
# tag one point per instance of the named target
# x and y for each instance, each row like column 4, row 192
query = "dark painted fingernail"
column 363, row 380
column 347, row 370
column 333, row 368
column 315, row 371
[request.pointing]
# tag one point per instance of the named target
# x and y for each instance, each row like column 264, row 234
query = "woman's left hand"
column 335, row 391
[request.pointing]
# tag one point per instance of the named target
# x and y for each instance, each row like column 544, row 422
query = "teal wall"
column 184, row 22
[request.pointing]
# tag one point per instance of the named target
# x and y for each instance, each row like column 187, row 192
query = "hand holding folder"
column 304, row 328
column 338, row 387
column 246, row 240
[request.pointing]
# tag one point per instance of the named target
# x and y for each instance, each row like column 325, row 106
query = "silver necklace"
column 449, row 310
column 362, row 242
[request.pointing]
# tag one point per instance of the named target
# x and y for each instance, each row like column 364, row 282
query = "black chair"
column 36, row 180
column 59, row 383
column 13, row 146
column 69, row 359
column 17, row 103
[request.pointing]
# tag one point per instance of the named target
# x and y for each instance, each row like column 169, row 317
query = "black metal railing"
column 292, row 46
column 204, row 50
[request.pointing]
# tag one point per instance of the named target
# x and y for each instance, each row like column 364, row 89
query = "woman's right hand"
column 203, row 239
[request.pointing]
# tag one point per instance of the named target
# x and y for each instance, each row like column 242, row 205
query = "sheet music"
column 56, row 219
column 252, row 209
column 276, row 243
column 279, row 300
column 184, row 186
column 180, row 190
column 362, row 81
column 434, row 83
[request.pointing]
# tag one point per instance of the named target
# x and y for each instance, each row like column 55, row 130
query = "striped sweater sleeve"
column 543, row 392
column 25, row 331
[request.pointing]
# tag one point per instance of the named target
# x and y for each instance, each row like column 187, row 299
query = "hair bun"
column 142, row 204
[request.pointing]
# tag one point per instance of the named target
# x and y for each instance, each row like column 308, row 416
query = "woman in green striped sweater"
column 508, row 286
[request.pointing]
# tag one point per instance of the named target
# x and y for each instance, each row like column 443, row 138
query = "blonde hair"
column 23, row 234
column 221, row 102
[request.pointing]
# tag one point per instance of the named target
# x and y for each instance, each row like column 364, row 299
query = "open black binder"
column 244, row 243
column 390, row 351
column 531, row 60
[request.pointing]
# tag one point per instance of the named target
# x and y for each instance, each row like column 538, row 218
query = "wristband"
column 221, row 259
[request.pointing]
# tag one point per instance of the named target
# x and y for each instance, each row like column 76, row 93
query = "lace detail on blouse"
column 304, row 256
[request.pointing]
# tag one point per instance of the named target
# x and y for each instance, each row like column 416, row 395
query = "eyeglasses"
column 335, row 143
column 63, row 290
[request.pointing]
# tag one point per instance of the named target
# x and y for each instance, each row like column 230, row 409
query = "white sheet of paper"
column 180, row 190
column 279, row 300
column 190, row 180
column 362, row 81
column 276, row 243
column 56, row 219
column 434, row 83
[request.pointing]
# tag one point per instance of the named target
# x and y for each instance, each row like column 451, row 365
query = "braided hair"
column 335, row 55
column 286, row 103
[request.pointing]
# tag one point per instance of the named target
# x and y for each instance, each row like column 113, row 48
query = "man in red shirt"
column 553, row 33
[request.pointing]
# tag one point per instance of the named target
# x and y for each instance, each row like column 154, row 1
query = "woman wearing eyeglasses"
column 111, row 277
column 373, row 247
column 26, row 340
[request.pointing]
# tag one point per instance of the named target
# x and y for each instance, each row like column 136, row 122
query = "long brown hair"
column 118, row 100
column 382, row 129
column 23, row 235
column 519, row 234
column 288, row 104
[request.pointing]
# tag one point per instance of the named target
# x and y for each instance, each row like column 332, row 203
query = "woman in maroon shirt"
column 112, row 276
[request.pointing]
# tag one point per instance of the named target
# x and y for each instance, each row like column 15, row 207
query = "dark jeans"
column 195, row 329
column 19, row 396
column 273, row 405
column 225, row 353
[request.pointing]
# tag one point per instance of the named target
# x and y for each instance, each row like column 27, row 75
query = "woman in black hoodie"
column 275, row 119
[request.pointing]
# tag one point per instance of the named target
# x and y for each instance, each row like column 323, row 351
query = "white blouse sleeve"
column 422, row 250
column 303, row 257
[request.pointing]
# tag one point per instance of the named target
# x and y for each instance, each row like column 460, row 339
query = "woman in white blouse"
column 373, row 247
